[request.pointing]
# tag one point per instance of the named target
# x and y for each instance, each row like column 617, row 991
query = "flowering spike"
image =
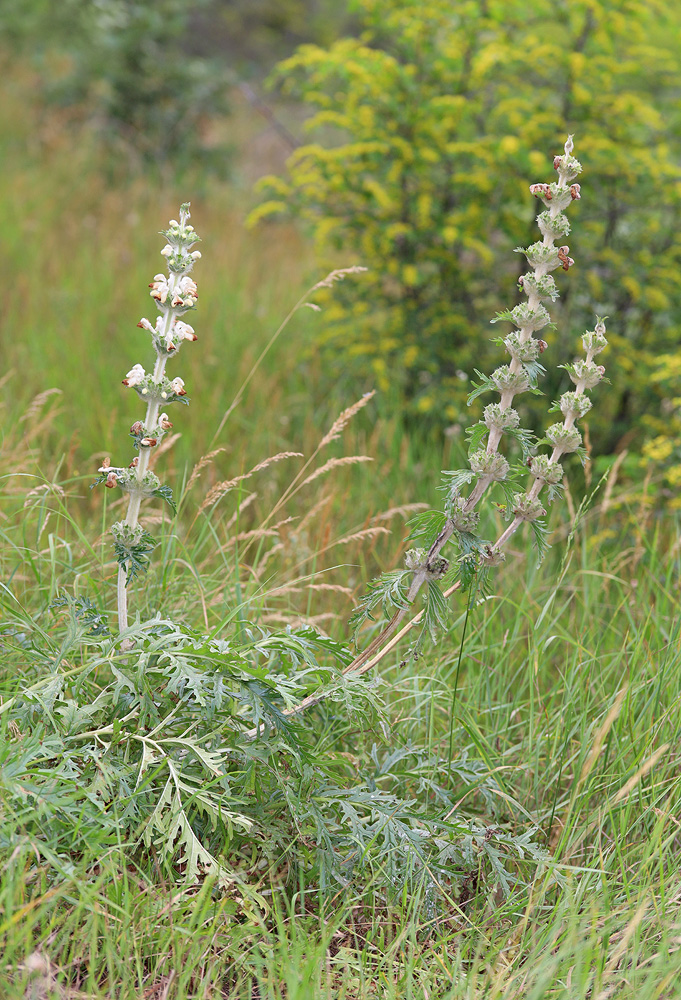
column 487, row 465
column 174, row 294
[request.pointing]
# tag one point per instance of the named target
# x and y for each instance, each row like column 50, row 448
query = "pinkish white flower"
column 135, row 376
column 159, row 288
column 184, row 331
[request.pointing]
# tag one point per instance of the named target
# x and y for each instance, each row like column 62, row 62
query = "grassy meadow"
column 524, row 834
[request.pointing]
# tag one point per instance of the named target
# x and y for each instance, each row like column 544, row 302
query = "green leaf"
column 134, row 559
column 165, row 493
column 388, row 592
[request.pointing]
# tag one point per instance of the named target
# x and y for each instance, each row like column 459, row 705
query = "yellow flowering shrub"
column 662, row 450
column 424, row 127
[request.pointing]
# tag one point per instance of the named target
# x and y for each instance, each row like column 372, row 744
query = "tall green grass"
column 567, row 692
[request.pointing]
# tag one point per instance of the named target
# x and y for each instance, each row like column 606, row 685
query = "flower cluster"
column 174, row 294
column 487, row 465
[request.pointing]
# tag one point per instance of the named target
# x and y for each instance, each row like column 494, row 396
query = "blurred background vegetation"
column 396, row 134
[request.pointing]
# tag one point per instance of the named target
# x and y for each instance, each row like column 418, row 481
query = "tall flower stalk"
column 174, row 294
column 488, row 466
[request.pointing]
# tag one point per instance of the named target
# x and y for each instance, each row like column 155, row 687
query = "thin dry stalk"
column 296, row 484
column 37, row 403
column 244, row 503
column 38, row 492
column 611, row 480
column 221, row 489
column 334, row 463
column 363, row 535
column 342, row 421
column 276, row 458
column 326, row 282
column 201, row 464
column 406, row 508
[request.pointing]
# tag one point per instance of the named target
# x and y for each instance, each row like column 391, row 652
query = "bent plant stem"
column 388, row 638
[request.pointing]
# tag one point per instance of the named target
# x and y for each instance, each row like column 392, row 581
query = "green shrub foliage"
column 426, row 125
column 134, row 66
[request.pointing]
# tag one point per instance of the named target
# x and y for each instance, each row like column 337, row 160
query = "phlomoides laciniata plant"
column 169, row 736
column 174, row 294
column 458, row 520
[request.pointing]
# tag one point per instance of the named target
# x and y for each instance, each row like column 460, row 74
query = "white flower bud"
column 135, row 376
column 568, row 439
column 414, row 559
column 594, row 341
column 183, row 331
column 541, row 285
column 462, row 519
column 586, row 373
column 543, row 468
column 503, row 420
column 530, row 319
column 557, row 227
column 544, row 258
column 527, row 509
column 523, row 350
column 159, row 288
column 505, row 380
column 575, row 404
column 490, row 464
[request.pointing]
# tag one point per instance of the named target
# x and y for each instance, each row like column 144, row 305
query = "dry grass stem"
column 201, row 464
column 221, row 489
column 273, row 532
column 341, row 422
column 334, row 463
column 165, row 446
column 338, row 275
column 406, row 508
column 323, row 502
column 37, row 403
column 363, row 535
column 275, row 458
column 40, row 491
column 244, row 504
